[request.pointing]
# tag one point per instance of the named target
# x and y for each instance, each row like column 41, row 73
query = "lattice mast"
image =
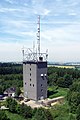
column 38, row 35
column 30, row 54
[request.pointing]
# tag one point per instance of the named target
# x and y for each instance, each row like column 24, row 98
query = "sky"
column 60, row 28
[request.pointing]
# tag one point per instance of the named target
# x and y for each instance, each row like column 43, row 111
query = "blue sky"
column 60, row 28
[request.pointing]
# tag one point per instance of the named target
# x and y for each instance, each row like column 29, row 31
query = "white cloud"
column 9, row 10
column 62, row 43
column 60, row 28
column 46, row 12
column 63, row 34
column 10, row 51
column 72, row 14
column 74, row 3
column 10, row 1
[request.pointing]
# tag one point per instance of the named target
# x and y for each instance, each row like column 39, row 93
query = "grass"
column 55, row 91
column 14, row 116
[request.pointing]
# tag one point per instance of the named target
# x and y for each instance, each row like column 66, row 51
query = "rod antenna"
column 38, row 35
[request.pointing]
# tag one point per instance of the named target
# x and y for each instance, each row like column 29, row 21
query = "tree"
column 67, row 80
column 42, row 114
column 11, row 104
column 3, row 116
column 73, row 96
column 24, row 110
column 27, row 111
column 78, row 113
column 48, row 114
column 1, row 90
column 18, row 91
column 52, row 79
column 60, row 82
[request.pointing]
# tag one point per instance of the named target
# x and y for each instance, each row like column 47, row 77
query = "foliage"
column 73, row 96
column 1, row 90
column 3, row 116
column 11, row 104
column 61, row 112
column 62, row 77
column 65, row 82
column 59, row 81
column 25, row 111
column 14, row 107
column 10, row 68
column 18, row 91
column 10, row 75
column 14, row 116
column 42, row 114
column 78, row 113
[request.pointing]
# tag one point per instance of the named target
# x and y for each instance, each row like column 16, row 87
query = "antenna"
column 34, row 54
column 38, row 35
column 33, row 50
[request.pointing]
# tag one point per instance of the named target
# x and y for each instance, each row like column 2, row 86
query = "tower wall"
column 35, row 80
column 42, row 80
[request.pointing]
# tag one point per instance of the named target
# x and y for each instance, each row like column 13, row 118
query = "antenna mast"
column 32, row 54
column 38, row 35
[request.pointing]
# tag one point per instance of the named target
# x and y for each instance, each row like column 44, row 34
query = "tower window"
column 41, row 90
column 30, row 79
column 41, row 85
column 33, row 85
column 30, row 84
column 30, row 69
column 25, row 83
column 30, row 74
column 45, row 75
column 42, row 75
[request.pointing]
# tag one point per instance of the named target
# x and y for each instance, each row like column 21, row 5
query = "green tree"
column 24, row 110
column 60, row 82
column 48, row 115
column 18, row 91
column 64, row 81
column 73, row 96
column 42, row 114
column 67, row 80
column 11, row 104
column 1, row 89
column 78, row 113
column 52, row 79
column 27, row 112
column 3, row 116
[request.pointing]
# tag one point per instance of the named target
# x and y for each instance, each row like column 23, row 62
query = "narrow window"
column 41, row 85
column 42, row 76
column 30, row 84
column 30, row 69
column 33, row 85
column 30, row 79
column 41, row 90
column 30, row 74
